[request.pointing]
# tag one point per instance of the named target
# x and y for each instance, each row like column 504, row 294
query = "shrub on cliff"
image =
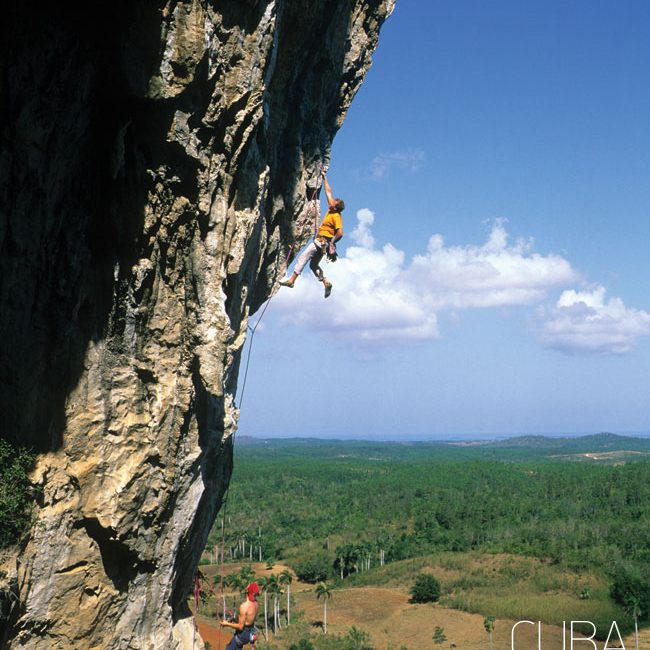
column 16, row 492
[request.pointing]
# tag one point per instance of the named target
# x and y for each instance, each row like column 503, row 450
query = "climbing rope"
column 313, row 203
column 197, row 588
column 197, row 600
column 252, row 330
column 241, row 398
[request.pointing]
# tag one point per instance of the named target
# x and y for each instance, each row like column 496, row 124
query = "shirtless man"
column 330, row 231
column 245, row 625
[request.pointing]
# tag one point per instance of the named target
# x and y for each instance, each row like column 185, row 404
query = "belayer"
column 245, row 625
column 330, row 231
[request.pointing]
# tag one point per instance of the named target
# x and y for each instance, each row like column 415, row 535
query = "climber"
column 245, row 626
column 330, row 231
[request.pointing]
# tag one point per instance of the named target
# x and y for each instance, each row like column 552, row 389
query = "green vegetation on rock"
column 16, row 493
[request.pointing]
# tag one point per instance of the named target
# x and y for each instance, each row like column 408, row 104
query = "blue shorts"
column 240, row 639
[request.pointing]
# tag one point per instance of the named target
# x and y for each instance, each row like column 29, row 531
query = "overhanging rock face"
column 153, row 165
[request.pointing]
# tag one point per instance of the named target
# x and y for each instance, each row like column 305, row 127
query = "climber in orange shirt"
column 330, row 231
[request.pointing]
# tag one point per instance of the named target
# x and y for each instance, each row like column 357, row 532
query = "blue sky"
column 493, row 276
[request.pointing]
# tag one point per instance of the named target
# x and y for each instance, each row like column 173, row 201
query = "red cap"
column 253, row 589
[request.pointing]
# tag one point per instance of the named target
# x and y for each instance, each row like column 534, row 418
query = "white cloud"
column 492, row 275
column 582, row 321
column 362, row 235
column 379, row 296
column 410, row 160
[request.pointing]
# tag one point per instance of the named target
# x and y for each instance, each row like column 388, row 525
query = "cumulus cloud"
column 410, row 160
column 494, row 274
column 379, row 295
column 362, row 235
column 583, row 321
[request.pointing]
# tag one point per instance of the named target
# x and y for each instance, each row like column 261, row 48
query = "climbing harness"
column 331, row 253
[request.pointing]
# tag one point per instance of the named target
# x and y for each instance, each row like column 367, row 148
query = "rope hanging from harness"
column 313, row 193
column 254, row 328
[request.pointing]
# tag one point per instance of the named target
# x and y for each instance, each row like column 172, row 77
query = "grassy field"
column 510, row 588
column 506, row 586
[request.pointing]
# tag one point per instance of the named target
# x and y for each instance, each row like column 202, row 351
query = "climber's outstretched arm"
column 328, row 192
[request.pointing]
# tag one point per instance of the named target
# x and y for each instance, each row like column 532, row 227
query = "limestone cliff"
column 153, row 164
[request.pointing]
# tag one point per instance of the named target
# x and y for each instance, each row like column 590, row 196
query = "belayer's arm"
column 239, row 625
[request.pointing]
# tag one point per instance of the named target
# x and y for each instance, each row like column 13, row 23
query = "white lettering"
column 588, row 638
column 618, row 636
column 614, row 635
column 512, row 635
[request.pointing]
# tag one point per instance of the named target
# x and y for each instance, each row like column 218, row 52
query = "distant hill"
column 601, row 447
column 594, row 442
column 599, row 439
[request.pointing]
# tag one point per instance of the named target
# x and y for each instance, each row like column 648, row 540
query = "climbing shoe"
column 286, row 283
column 328, row 288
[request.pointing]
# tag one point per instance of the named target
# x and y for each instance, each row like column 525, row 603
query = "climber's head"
column 338, row 205
column 252, row 590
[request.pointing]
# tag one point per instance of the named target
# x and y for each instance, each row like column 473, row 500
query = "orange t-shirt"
column 332, row 222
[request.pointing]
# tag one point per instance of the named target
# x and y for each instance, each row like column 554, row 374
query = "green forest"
column 338, row 510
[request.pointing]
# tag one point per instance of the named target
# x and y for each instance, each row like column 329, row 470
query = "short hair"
column 339, row 204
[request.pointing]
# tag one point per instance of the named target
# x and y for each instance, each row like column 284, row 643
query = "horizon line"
column 487, row 437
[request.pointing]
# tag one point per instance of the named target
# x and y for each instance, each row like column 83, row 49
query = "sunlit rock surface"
column 153, row 165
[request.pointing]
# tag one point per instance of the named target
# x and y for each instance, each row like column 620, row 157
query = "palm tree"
column 232, row 580
column 275, row 590
column 263, row 583
column 366, row 550
column 359, row 639
column 339, row 563
column 217, row 580
column 633, row 608
column 355, row 555
column 286, row 578
column 235, row 543
column 346, row 559
column 324, row 591
column 246, row 574
column 488, row 624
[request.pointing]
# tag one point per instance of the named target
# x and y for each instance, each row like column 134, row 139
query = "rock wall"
column 153, row 165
